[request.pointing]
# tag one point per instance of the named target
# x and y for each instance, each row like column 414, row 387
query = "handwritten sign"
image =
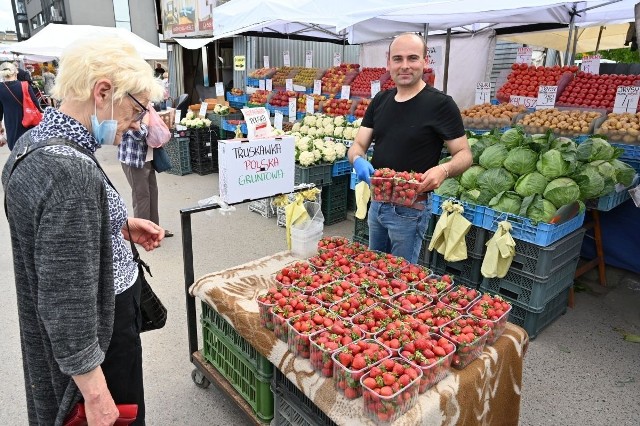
column 277, row 120
column 337, row 59
column 524, row 55
column 203, row 109
column 483, row 92
column 523, row 100
column 317, row 87
column 546, row 97
column 590, row 64
column 308, row 59
column 258, row 124
column 288, row 83
column 626, row 99
column 239, row 63
column 265, row 61
column 255, row 168
column 268, row 83
column 261, row 84
column 375, row 87
column 286, row 58
column 310, row 104
column 434, row 56
column 219, row 88
column 346, row 91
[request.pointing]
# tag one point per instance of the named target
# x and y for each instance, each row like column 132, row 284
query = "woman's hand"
column 143, row 232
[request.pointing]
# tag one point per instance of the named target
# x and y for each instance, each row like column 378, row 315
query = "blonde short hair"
column 8, row 69
column 84, row 63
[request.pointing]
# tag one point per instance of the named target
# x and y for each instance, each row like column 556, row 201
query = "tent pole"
column 205, row 67
column 216, row 53
column 446, row 61
column 571, row 29
column 599, row 38
column 426, row 33
column 575, row 45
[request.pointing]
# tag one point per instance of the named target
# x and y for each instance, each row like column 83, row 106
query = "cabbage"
column 470, row 196
column 490, row 139
column 605, row 168
column 476, row 150
column 493, row 156
column 590, row 182
column 469, row 178
column 554, row 163
column 596, row 149
column 531, row 183
column 449, row 188
column 521, row 161
column 562, row 191
column 538, row 143
column 564, row 144
column 494, row 181
column 506, row 201
column 512, row 138
column 624, row 172
column 537, row 208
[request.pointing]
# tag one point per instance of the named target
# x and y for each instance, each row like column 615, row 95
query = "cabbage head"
column 596, row 149
column 562, row 191
column 537, row 208
column 494, row 181
column 521, row 161
column 590, row 182
column 470, row 177
column 530, row 184
column 538, row 143
column 512, row 138
column 470, row 196
column 554, row 163
column 506, row 201
column 605, row 168
column 490, row 139
column 449, row 188
column 624, row 172
column 476, row 150
column 564, row 144
column 493, row 156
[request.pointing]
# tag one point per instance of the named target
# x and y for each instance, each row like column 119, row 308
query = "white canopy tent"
column 50, row 42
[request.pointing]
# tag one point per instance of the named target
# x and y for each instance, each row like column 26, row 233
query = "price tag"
column 299, row 88
column 292, row 109
column 277, row 121
column 288, row 83
column 483, row 92
column 590, row 64
column 434, row 56
column 375, row 87
column 219, row 88
column 178, row 114
column 317, row 87
column 523, row 100
column 626, row 99
column 261, row 84
column 268, row 85
column 346, row 91
column 266, row 61
column 310, row 104
column 337, row 59
column 546, row 97
column 308, row 59
column 286, row 58
column 203, row 110
column 258, row 124
column 524, row 55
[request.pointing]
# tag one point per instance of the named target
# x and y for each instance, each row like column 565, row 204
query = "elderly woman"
column 11, row 104
column 77, row 283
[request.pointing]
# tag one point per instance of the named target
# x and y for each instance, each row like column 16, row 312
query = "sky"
column 6, row 16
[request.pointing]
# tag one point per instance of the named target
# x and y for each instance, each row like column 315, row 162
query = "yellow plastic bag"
column 438, row 241
column 363, row 193
column 457, row 229
column 294, row 212
column 501, row 249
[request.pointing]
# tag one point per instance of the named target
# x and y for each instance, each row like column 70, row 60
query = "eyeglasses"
column 141, row 114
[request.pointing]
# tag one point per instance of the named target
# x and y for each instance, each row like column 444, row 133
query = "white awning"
column 193, row 43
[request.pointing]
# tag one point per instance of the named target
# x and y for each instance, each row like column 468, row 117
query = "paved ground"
column 578, row 371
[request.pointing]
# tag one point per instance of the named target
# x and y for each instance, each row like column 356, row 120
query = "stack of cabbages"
column 534, row 175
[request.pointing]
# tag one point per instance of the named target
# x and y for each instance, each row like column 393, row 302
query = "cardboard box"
column 258, row 168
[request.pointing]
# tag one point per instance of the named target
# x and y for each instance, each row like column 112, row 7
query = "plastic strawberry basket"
column 292, row 407
column 472, row 212
column 341, row 168
column 434, row 373
column 498, row 325
column 524, row 229
column 468, row 352
column 530, row 291
column 345, row 377
column 535, row 321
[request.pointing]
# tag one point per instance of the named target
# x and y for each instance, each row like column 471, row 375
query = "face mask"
column 105, row 132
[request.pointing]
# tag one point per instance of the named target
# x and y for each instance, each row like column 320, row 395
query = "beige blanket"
column 487, row 392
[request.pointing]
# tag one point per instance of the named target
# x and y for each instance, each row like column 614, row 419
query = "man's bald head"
column 410, row 35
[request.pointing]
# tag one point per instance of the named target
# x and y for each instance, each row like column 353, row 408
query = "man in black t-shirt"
column 410, row 125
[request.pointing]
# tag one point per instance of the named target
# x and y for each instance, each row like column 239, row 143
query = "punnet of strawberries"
column 306, row 324
column 395, row 335
column 405, row 188
column 382, row 184
column 334, row 292
column 294, row 271
column 390, row 389
column 291, row 307
column 384, row 289
column 352, row 305
column 328, row 258
column 389, row 264
column 363, row 276
column 469, row 334
column 492, row 308
column 433, row 354
column 375, row 319
column 460, row 297
column 411, row 301
column 434, row 285
column 331, row 243
column 276, row 295
column 352, row 362
column 366, row 257
column 413, row 273
column 326, row 342
column 309, row 283
column 435, row 316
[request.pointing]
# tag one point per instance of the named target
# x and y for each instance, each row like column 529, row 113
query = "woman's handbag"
column 158, row 133
column 161, row 160
column 31, row 115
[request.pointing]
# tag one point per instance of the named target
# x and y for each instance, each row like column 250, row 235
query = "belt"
column 420, row 204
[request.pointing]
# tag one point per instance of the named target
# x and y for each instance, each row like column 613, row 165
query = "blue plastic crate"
column 354, row 180
column 237, row 99
column 609, row 201
column 272, row 109
column 522, row 228
column 253, row 82
column 340, row 168
column 581, row 138
column 633, row 163
column 472, row 212
column 631, row 152
column 232, row 127
column 351, row 118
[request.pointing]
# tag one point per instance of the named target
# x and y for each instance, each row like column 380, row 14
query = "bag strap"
column 14, row 96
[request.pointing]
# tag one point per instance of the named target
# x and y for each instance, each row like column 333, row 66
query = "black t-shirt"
column 409, row 135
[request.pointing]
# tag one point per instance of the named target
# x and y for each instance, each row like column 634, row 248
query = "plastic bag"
column 158, row 133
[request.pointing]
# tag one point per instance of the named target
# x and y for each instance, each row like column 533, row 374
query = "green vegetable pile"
column 535, row 175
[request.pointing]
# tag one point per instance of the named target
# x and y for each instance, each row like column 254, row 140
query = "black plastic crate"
column 465, row 272
column 334, row 200
column 319, row 175
column 178, row 151
column 361, row 228
column 361, row 240
column 204, row 159
column 535, row 322
column 292, row 407
column 351, row 200
column 476, row 238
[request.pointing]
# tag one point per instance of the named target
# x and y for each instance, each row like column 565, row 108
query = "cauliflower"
column 339, row 120
column 278, row 132
column 318, row 144
column 190, row 115
column 317, row 154
column 320, row 133
column 347, row 133
column 310, row 120
column 338, row 131
column 312, row 131
column 304, row 129
column 357, row 123
column 329, row 143
column 207, row 122
column 326, row 121
column 329, row 155
column 328, row 129
column 341, row 150
column 304, row 143
column 296, row 127
column 306, row 158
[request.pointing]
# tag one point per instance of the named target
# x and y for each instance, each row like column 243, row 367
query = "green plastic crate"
column 238, row 370
column 319, row 175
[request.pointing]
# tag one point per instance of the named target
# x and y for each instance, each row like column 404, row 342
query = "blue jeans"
column 397, row 230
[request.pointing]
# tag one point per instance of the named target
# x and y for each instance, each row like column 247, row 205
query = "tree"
column 623, row 55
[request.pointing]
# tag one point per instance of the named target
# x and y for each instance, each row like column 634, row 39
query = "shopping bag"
column 158, row 133
column 161, row 160
column 78, row 416
column 31, row 115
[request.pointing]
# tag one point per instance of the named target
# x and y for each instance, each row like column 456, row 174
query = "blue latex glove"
column 364, row 169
